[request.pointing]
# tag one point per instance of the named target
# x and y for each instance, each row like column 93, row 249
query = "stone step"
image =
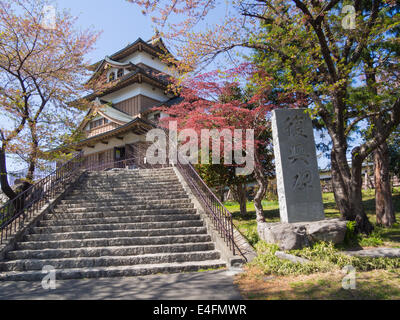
column 132, row 179
column 131, row 199
column 111, row 220
column 118, row 226
column 124, row 195
column 120, row 171
column 115, row 234
column 107, row 242
column 117, row 223
column 135, row 173
column 124, row 170
column 109, row 251
column 130, row 184
column 135, row 189
column 117, row 179
column 80, row 207
column 108, row 261
column 127, row 192
column 119, row 213
column 119, row 271
column 153, row 180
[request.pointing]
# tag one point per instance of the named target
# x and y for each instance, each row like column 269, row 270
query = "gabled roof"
column 114, row 115
column 168, row 103
column 154, row 47
column 139, row 74
column 171, row 102
column 140, row 124
column 113, row 63
column 136, row 125
column 109, row 112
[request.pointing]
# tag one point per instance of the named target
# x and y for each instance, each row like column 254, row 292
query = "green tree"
column 220, row 176
column 42, row 68
column 394, row 153
column 306, row 47
column 312, row 49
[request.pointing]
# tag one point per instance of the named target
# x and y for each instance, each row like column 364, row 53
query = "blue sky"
column 121, row 23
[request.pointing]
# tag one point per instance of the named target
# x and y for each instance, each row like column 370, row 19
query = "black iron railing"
column 220, row 216
column 13, row 177
column 217, row 212
column 14, row 212
column 138, row 161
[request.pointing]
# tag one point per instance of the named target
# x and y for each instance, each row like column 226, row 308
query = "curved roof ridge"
column 113, row 114
column 114, row 63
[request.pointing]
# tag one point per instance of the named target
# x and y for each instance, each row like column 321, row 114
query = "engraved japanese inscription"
column 299, row 188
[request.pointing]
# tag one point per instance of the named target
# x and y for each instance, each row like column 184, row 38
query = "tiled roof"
column 132, row 47
column 114, row 114
column 156, row 77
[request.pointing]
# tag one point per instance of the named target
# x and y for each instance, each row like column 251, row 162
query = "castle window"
column 157, row 117
column 111, row 77
column 98, row 123
column 120, row 73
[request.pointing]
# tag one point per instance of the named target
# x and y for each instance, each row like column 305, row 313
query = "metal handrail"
column 14, row 212
column 130, row 163
column 218, row 213
column 220, row 216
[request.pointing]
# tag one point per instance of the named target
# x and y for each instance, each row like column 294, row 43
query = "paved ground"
column 376, row 253
column 210, row 285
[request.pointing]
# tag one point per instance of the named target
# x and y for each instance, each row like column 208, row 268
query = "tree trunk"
column 347, row 188
column 5, row 186
column 340, row 183
column 262, row 190
column 239, row 193
column 363, row 225
column 383, row 192
column 221, row 193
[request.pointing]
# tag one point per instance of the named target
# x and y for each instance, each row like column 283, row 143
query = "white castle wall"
column 114, row 142
column 134, row 90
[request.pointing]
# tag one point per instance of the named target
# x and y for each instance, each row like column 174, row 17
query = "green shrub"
column 350, row 236
column 372, row 240
column 252, row 236
column 270, row 264
column 324, row 257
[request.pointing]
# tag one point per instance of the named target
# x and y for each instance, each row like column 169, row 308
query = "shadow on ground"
column 209, row 285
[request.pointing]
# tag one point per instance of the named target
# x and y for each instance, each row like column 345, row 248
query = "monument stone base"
column 291, row 236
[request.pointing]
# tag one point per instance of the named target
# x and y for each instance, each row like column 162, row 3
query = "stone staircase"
column 117, row 223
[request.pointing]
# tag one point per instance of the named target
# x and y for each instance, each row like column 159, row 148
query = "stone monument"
column 299, row 190
column 297, row 174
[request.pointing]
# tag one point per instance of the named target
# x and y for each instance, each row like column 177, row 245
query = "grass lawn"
column 371, row 285
column 259, row 282
column 390, row 237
